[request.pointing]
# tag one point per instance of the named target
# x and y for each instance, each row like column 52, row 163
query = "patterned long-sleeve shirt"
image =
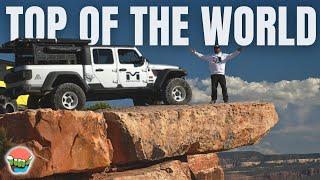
column 217, row 62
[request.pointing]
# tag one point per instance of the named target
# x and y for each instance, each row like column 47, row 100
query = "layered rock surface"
column 205, row 166
column 157, row 132
column 79, row 141
column 199, row 167
column 61, row 141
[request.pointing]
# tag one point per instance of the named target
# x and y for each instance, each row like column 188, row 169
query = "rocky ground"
column 156, row 142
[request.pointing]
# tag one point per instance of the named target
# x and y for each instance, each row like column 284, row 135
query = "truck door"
column 132, row 69
column 104, row 67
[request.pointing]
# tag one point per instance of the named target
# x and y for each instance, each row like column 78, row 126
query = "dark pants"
column 215, row 80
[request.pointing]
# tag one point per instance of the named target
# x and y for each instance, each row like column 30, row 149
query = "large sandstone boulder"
column 62, row 141
column 65, row 142
column 157, row 132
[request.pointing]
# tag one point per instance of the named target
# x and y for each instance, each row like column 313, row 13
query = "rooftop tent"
column 44, row 51
column 25, row 44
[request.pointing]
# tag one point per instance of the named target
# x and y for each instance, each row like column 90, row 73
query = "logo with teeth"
column 19, row 160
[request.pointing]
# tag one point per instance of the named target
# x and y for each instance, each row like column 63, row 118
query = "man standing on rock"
column 217, row 64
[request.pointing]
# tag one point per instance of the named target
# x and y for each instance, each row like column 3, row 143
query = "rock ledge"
column 88, row 142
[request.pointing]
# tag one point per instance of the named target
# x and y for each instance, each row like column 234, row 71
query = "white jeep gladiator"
column 64, row 74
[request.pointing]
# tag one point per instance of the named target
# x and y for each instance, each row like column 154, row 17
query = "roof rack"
column 23, row 41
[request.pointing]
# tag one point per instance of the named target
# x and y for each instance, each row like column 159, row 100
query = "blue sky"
column 255, row 64
column 293, row 71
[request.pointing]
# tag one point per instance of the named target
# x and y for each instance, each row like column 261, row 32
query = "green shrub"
column 99, row 106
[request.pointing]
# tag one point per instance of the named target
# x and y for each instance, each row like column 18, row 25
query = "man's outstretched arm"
column 201, row 56
column 233, row 55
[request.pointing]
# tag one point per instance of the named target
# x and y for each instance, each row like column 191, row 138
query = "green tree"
column 99, row 106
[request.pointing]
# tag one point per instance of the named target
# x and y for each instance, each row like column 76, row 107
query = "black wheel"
column 8, row 105
column 177, row 92
column 10, row 108
column 33, row 102
column 68, row 96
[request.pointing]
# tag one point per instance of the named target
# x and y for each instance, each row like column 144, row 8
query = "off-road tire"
column 177, row 83
column 57, row 102
column 8, row 108
column 33, row 102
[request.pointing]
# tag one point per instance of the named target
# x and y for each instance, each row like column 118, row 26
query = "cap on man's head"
column 216, row 46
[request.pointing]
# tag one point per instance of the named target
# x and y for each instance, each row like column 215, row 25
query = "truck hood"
column 161, row 67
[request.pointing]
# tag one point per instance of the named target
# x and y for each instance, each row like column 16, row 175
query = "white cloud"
column 297, row 102
column 264, row 147
column 281, row 93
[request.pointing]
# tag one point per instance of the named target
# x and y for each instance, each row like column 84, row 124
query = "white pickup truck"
column 64, row 74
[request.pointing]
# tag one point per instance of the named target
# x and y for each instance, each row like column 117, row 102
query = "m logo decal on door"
column 135, row 77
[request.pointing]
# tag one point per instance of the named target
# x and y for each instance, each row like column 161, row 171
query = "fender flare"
column 168, row 73
column 53, row 76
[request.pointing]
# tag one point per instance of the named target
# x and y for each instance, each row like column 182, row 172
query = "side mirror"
column 143, row 60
